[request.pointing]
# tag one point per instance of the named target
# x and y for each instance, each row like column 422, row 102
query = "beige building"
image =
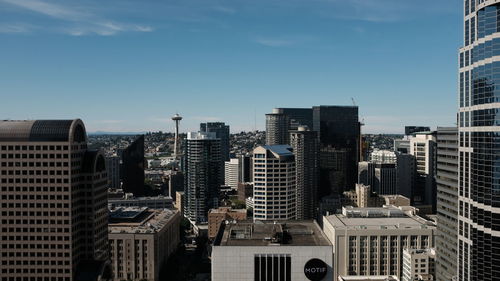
column 141, row 240
column 370, row 241
column 363, row 197
column 53, row 202
column 217, row 216
column 419, row 265
column 274, row 183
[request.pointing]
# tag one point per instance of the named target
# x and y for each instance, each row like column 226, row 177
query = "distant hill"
column 102, row 133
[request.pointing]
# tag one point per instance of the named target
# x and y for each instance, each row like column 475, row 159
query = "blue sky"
column 128, row 65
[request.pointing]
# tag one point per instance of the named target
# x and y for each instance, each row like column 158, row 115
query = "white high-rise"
column 274, row 183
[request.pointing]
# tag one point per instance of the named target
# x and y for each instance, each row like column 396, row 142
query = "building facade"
column 221, row 215
column 274, row 183
column 266, row 251
column 133, row 168
column 141, row 240
column 222, row 132
column 419, row 265
column 204, row 175
column 423, row 148
column 370, row 241
column 113, row 170
column 53, row 203
column 232, row 172
column 478, row 179
column 447, row 203
column 305, row 145
column 277, row 125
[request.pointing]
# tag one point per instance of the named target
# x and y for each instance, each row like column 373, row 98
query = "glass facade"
column 479, row 143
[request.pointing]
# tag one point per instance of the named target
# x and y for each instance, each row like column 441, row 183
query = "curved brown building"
column 53, row 204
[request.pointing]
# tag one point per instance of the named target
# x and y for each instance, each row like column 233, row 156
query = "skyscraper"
column 277, row 126
column 478, row 177
column 221, row 131
column 204, row 175
column 133, row 168
column 447, row 203
column 305, row 144
column 53, row 202
column 274, row 183
column 232, row 172
column 423, row 148
column 340, row 135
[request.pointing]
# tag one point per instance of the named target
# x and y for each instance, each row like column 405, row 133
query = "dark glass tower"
column 305, row 144
column 221, row 131
column 479, row 143
column 133, row 168
column 204, row 175
column 340, row 135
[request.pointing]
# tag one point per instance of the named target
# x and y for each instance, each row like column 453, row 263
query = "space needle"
column 177, row 119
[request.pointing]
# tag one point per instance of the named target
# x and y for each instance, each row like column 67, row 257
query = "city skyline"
column 143, row 63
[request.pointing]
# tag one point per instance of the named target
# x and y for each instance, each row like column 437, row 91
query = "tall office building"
column 305, row 144
column 274, row 183
column 382, row 177
column 53, row 202
column 246, row 166
column 204, row 169
column 133, row 168
column 232, row 172
column 113, row 170
column 447, row 203
column 222, row 132
column 340, row 135
column 478, row 177
column 277, row 126
column 406, row 171
column 423, row 148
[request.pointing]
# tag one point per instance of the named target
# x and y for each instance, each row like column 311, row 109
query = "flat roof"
column 269, row 233
column 138, row 220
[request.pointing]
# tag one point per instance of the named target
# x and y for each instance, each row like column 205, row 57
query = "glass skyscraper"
column 479, row 143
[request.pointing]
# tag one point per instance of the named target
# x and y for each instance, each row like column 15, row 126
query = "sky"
column 129, row 65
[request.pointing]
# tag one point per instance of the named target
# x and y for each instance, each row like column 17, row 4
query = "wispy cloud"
column 224, row 9
column 15, row 28
column 77, row 21
column 274, row 42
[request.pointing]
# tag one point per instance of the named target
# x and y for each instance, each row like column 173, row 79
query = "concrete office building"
column 402, row 145
column 382, row 177
column 272, row 251
column 383, row 156
column 447, row 203
column 141, row 240
column 419, row 265
column 305, row 145
column 113, row 171
column 53, row 203
column 232, row 172
column 133, row 168
column 478, row 177
column 221, row 215
column 204, row 175
column 222, row 132
column 274, row 183
column 370, row 241
column 423, row 147
column 157, row 202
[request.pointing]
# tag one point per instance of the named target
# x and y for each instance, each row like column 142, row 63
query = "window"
column 272, row 267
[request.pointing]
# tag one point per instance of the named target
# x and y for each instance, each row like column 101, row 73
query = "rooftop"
column 292, row 233
column 280, row 149
column 388, row 217
column 369, row 278
column 138, row 220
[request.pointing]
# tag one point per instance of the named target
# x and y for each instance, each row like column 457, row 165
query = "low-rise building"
column 221, row 214
column 141, row 240
column 370, row 241
column 291, row 250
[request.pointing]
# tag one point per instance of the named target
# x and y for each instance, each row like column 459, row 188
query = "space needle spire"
column 177, row 119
